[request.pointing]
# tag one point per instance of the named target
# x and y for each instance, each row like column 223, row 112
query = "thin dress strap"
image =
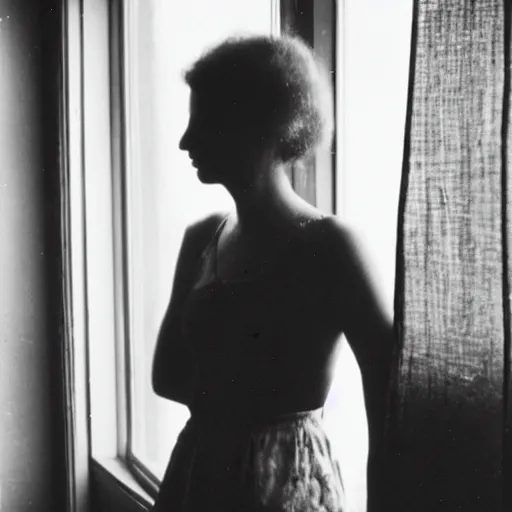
column 215, row 245
column 207, row 254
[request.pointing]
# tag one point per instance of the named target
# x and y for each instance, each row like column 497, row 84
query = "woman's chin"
column 206, row 177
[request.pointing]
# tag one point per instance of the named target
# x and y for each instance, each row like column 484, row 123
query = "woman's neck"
column 267, row 204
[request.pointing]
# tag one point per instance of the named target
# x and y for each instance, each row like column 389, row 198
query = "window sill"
column 115, row 489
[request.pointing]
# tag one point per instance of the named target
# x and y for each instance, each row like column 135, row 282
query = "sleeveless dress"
column 237, row 452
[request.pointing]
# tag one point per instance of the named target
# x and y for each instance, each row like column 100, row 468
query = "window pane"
column 163, row 191
column 377, row 47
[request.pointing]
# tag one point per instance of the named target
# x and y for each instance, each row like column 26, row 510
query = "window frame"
column 317, row 181
column 86, row 41
column 72, row 237
column 114, row 482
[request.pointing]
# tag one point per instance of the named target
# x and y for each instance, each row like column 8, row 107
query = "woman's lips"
column 193, row 160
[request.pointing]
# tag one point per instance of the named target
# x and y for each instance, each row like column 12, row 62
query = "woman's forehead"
column 199, row 107
column 200, row 103
column 192, row 102
column 208, row 105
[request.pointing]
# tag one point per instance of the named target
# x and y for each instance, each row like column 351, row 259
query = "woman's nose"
column 184, row 140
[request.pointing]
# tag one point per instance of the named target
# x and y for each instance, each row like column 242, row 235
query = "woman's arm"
column 366, row 320
column 173, row 366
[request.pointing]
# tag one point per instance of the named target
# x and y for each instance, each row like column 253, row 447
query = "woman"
column 261, row 297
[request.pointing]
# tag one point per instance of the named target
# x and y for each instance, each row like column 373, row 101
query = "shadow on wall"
column 29, row 340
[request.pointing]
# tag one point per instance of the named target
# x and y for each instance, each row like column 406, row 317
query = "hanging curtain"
column 447, row 435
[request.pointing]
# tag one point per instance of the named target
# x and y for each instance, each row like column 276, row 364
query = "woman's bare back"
column 274, row 299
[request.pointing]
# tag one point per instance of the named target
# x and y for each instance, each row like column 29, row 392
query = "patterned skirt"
column 221, row 464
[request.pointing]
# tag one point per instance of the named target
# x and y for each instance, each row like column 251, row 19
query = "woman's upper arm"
column 367, row 321
column 359, row 304
column 359, row 308
column 360, row 311
column 168, row 343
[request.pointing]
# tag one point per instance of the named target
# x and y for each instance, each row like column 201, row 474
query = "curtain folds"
column 452, row 311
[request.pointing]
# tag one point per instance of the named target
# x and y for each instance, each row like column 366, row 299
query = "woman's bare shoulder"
column 207, row 223
column 351, row 269
column 200, row 232
column 324, row 249
column 195, row 239
column 338, row 238
column 343, row 252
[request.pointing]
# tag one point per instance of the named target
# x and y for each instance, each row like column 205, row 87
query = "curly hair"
column 271, row 88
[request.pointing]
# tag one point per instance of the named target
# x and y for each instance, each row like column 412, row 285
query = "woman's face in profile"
column 218, row 147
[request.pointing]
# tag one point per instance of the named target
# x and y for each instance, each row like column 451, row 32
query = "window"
column 155, row 194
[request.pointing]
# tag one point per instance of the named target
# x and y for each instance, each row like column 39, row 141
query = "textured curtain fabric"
column 447, row 421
